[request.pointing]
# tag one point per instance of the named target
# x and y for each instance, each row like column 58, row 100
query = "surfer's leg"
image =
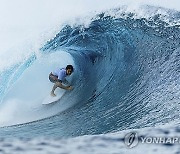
column 54, row 80
column 57, row 84
column 53, row 89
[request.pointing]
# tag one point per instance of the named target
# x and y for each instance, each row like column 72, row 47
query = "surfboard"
column 50, row 99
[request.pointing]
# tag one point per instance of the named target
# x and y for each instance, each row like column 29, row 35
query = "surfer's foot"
column 53, row 94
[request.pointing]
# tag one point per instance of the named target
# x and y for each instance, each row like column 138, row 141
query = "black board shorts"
column 53, row 78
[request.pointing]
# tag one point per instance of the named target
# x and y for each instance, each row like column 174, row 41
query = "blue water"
column 126, row 76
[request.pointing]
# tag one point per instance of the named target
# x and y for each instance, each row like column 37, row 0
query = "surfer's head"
column 69, row 69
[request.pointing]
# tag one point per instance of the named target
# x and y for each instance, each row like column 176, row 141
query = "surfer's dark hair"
column 70, row 67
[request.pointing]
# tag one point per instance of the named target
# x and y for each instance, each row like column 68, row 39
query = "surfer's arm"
column 60, row 85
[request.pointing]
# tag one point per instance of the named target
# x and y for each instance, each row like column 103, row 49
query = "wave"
column 126, row 73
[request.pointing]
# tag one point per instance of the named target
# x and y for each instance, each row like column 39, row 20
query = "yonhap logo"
column 131, row 139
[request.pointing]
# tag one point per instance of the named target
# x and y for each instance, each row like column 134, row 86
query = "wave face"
column 126, row 74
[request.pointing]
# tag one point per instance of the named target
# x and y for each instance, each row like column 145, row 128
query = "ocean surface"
column 126, row 78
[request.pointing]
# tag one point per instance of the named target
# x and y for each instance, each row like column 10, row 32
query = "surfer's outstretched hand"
column 69, row 88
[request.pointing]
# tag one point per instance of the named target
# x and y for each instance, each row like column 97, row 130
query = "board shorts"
column 53, row 78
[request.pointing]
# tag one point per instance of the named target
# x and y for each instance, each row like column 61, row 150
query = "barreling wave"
column 126, row 72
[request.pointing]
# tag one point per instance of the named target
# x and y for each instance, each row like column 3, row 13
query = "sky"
column 20, row 19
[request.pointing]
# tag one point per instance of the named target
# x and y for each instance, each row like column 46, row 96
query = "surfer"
column 59, row 76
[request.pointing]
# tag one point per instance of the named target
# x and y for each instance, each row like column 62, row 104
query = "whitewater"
column 126, row 76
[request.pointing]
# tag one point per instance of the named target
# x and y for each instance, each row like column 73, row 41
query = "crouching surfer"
column 59, row 76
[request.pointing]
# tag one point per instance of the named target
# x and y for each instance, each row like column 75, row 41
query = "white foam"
column 32, row 20
column 26, row 25
column 25, row 96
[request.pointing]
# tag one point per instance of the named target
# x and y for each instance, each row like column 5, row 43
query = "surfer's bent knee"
column 58, row 83
column 53, row 78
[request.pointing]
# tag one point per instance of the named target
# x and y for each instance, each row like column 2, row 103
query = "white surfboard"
column 50, row 99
